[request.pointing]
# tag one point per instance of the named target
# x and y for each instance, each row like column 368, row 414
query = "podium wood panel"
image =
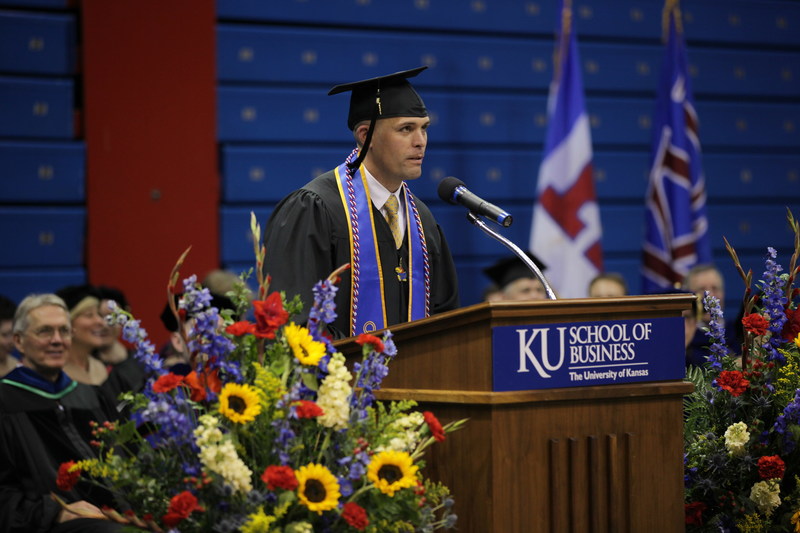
column 581, row 459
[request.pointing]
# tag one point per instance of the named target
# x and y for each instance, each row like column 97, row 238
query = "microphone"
column 452, row 190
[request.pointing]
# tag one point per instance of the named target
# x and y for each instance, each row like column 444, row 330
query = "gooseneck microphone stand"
column 472, row 217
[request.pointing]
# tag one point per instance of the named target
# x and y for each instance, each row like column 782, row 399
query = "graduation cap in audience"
column 74, row 295
column 512, row 268
column 382, row 97
column 113, row 293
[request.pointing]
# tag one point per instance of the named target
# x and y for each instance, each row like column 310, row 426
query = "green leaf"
column 310, row 381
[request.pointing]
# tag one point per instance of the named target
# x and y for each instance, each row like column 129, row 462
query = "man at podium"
column 363, row 213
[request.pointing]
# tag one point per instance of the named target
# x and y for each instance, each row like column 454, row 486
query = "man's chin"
column 414, row 174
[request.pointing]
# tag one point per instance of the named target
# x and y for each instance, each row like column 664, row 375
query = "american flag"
column 566, row 231
column 676, row 227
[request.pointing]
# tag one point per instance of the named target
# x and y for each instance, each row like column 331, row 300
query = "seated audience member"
column 515, row 280
column 492, row 293
column 8, row 361
column 88, row 331
column 705, row 278
column 699, row 280
column 125, row 372
column 45, row 421
column 220, row 281
column 690, row 319
column 608, row 285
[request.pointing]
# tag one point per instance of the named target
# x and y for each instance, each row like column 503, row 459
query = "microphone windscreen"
column 447, row 187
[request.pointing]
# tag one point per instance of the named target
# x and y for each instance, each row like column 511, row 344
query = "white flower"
column 736, row 438
column 219, row 455
column 334, row 394
column 766, row 495
column 405, row 431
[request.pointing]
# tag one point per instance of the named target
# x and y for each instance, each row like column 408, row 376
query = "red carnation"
column 694, row 513
column 270, row 315
column 66, row 480
column 180, row 507
column 733, row 382
column 279, row 477
column 237, row 329
column 771, row 467
column 355, row 516
column 756, row 324
column 306, row 409
column 372, row 340
column 167, row 382
column 791, row 329
column 434, row 425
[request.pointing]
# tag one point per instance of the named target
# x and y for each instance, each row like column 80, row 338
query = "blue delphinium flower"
column 358, row 468
column 285, row 440
column 790, row 415
column 323, row 311
column 345, row 486
column 388, row 345
column 774, row 302
column 133, row 333
column 371, row 373
column 169, row 421
column 205, row 336
column 716, row 331
column 286, row 435
column 195, row 298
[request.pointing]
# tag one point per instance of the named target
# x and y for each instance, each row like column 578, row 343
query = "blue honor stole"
column 367, row 300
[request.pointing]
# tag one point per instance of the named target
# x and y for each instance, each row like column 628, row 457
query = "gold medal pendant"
column 402, row 275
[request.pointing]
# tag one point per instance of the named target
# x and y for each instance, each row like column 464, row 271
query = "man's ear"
column 17, row 337
column 360, row 133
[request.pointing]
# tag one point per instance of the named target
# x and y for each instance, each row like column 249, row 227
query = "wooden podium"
column 582, row 459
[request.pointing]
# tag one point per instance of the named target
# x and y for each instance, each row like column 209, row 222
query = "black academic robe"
column 307, row 237
column 125, row 376
column 37, row 434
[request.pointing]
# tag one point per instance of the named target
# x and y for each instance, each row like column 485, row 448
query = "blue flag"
column 676, row 226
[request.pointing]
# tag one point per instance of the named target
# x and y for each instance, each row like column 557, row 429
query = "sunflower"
column 318, row 489
column 240, row 403
column 304, row 347
column 392, row 471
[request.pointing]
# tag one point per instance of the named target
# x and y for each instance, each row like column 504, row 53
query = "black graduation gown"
column 125, row 376
column 307, row 237
column 37, row 434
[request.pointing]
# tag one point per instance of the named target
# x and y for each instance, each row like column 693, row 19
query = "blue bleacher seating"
column 36, row 43
column 36, row 108
column 42, row 172
column 43, row 236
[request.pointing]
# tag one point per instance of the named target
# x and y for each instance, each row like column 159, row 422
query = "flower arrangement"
column 270, row 432
column 742, row 422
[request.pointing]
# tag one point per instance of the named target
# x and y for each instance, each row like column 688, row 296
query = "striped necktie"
column 390, row 212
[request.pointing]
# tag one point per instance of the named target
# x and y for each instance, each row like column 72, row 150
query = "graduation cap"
column 511, row 269
column 75, row 294
column 382, row 97
column 113, row 293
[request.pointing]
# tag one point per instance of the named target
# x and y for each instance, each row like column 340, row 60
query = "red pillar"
column 149, row 111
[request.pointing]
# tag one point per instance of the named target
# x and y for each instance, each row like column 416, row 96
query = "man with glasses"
column 45, row 421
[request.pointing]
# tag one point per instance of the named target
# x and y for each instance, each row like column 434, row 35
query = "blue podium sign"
column 584, row 354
